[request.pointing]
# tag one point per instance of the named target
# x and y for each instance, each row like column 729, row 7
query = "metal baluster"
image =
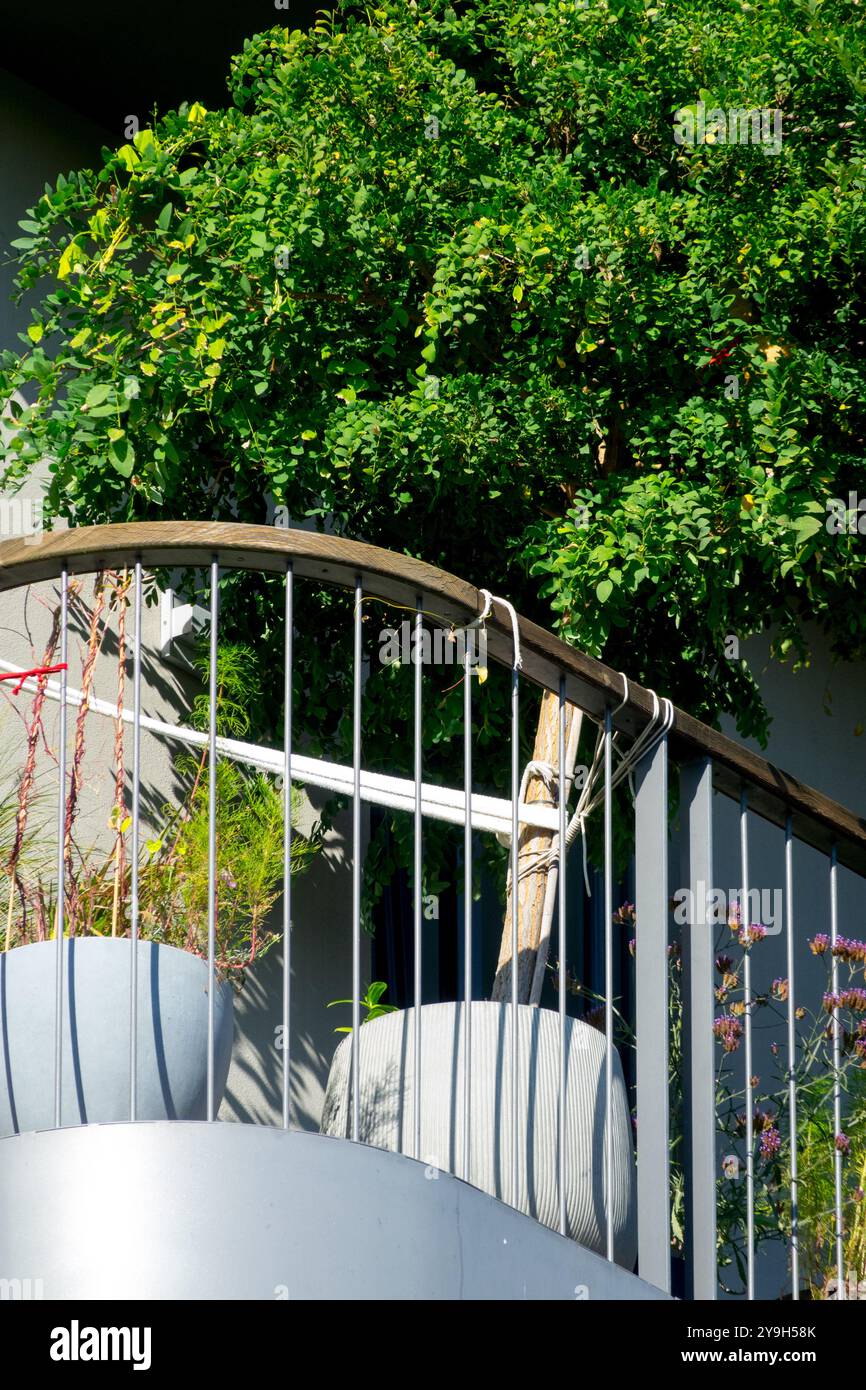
column 792, row 1059
column 608, row 980
column 561, row 885
column 699, row 1073
column 136, row 832
column 515, row 920
column 211, row 840
column 287, row 844
column 467, row 917
column 837, row 1074
column 745, row 923
column 417, row 876
column 652, row 1017
column 356, row 866
column 61, row 845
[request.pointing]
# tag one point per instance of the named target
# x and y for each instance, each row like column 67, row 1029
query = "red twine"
column 21, row 676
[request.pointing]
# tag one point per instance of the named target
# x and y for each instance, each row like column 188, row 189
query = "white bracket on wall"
column 177, row 620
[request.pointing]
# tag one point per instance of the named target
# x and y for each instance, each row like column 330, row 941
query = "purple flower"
column 819, row 944
column 752, row 933
column 723, row 964
column 779, row 988
column 854, row 952
column 771, row 1142
column 843, row 1143
column 728, row 1030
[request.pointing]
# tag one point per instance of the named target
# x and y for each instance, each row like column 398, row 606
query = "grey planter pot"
column 172, row 1034
column 387, row 1049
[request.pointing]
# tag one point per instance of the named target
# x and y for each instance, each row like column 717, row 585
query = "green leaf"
column 128, row 157
column 806, row 526
column 122, row 456
column 603, row 590
column 96, row 395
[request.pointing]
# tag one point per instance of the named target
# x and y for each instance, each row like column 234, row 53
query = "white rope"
column 591, row 794
column 489, row 600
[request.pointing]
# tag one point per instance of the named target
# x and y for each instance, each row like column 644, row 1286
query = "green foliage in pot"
column 173, row 869
column 371, row 1004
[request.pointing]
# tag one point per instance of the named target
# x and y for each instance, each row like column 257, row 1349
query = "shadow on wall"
column 321, row 971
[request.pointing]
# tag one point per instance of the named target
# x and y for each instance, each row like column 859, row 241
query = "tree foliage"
column 440, row 277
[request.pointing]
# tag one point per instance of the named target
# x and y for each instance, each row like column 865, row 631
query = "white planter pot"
column 387, row 1049
column 171, row 1035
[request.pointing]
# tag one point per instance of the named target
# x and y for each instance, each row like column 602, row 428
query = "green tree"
column 443, row 277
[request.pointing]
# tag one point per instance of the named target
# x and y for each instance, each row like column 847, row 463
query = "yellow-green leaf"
column 128, row 157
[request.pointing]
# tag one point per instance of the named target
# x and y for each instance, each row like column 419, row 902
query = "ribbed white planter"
column 387, row 1050
column 172, row 1034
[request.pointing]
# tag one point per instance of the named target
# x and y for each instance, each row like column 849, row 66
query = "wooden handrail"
column 816, row 819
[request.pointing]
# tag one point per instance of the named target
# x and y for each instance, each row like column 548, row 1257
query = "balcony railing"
column 489, row 1085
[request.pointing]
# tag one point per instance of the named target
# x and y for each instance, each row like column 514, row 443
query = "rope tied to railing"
column 489, row 600
column 590, row 795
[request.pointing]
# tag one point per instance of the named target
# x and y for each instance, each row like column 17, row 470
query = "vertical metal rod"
column 287, row 844
column 467, row 918
column 61, row 846
column 134, row 852
column 652, row 1017
column 792, row 1059
column 417, row 873
column 356, row 865
column 745, row 923
column 608, row 979
column 515, row 923
column 211, row 838
column 561, row 886
column 837, row 1074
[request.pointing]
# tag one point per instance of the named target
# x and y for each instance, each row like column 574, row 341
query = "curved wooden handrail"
column 773, row 794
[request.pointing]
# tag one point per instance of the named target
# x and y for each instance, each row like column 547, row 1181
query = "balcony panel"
column 174, row 1210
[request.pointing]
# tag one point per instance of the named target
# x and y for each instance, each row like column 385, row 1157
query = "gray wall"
column 39, row 139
